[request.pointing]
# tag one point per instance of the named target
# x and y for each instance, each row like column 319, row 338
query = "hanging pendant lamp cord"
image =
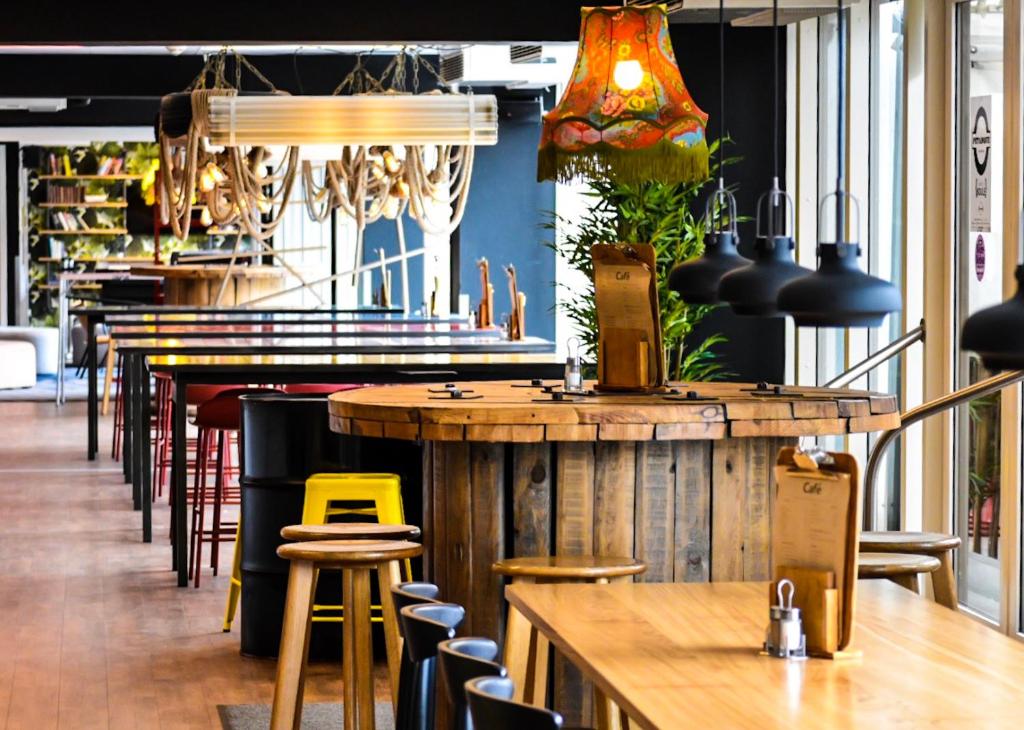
column 721, row 104
column 775, row 90
column 840, row 122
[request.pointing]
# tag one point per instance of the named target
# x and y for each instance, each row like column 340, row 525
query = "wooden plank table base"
column 685, row 486
column 674, row 656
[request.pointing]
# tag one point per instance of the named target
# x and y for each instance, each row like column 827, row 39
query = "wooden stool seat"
column 936, row 544
column 350, row 531
column 569, row 567
column 349, row 553
column 355, row 559
column 904, row 570
column 916, row 543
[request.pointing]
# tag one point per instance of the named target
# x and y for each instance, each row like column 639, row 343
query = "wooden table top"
column 686, row 654
column 322, row 343
column 424, row 362
column 512, row 412
column 327, row 329
column 211, row 271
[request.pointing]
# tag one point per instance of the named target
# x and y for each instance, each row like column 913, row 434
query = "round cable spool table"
column 681, row 481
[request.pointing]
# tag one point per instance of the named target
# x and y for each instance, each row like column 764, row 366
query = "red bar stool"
column 319, row 388
column 215, row 418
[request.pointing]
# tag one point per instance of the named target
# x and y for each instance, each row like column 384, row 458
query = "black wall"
column 756, row 347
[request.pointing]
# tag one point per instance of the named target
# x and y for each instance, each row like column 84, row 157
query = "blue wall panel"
column 506, row 209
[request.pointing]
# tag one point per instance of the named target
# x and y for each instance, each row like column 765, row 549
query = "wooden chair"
column 492, row 706
column 355, row 559
column 904, row 570
column 462, row 660
column 526, row 649
column 933, row 544
column 424, row 627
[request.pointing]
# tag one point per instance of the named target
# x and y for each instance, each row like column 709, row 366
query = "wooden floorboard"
column 94, row 633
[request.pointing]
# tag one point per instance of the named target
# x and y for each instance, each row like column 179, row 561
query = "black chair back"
column 492, row 707
column 461, row 660
column 409, row 594
column 424, row 625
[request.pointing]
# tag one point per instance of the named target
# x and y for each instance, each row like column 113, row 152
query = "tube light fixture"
column 366, row 119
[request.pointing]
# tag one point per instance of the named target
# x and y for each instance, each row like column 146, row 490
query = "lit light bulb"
column 218, row 175
column 205, row 218
column 264, row 205
column 628, row 74
column 391, row 162
column 376, row 171
column 206, row 183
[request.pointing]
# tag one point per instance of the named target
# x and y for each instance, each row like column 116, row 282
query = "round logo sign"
column 981, row 140
column 979, row 257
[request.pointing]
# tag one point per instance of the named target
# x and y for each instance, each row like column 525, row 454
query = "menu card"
column 630, row 354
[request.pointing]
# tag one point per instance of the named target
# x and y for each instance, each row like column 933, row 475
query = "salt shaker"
column 573, row 370
column 785, row 636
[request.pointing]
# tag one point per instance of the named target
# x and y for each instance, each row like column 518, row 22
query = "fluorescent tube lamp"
column 370, row 119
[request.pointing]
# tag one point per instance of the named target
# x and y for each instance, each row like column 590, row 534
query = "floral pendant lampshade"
column 626, row 113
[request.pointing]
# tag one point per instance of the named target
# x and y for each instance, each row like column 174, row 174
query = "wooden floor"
column 94, row 632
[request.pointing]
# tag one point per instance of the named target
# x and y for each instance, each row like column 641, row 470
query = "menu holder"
column 815, row 538
column 517, row 319
column 630, row 356
column 485, row 312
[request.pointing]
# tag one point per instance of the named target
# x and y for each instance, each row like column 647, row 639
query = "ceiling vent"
column 453, row 67
column 526, row 53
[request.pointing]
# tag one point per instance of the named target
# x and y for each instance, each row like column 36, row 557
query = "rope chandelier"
column 388, row 151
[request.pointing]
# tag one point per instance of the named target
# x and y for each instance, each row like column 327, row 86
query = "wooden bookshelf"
column 104, row 204
column 120, row 176
column 85, row 232
column 99, row 259
column 76, row 285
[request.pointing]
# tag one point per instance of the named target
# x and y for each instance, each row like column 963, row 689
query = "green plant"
column 651, row 212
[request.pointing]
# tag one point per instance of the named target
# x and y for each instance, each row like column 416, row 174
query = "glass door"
column 979, row 271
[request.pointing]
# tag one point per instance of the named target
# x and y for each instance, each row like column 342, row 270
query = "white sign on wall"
column 980, row 163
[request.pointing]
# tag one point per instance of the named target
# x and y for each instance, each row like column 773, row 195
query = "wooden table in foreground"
column 678, row 656
column 684, row 485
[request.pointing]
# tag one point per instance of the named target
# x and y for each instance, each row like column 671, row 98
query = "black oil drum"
column 284, row 439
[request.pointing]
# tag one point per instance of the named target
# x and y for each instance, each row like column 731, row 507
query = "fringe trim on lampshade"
column 664, row 162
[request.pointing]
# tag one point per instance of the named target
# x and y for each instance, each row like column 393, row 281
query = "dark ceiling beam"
column 127, row 76
column 384, row 21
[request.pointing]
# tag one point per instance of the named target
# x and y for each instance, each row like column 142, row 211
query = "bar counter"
column 682, row 482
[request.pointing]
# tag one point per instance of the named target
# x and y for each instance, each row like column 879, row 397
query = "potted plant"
column 650, row 212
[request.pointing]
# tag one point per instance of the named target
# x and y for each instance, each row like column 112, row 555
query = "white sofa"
column 17, row 364
column 45, row 341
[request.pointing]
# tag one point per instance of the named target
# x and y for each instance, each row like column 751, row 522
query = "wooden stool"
column 935, row 544
column 368, row 531
column 526, row 649
column 900, row 569
column 355, row 559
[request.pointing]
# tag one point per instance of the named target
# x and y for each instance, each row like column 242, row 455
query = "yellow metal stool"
column 329, row 496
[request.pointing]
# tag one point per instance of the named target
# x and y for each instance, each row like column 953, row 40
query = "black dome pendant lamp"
column 754, row 289
column 997, row 333
column 839, row 294
column 697, row 280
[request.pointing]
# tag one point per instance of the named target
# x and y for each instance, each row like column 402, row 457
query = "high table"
column 94, row 316
column 682, row 482
column 294, row 368
column 674, row 656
